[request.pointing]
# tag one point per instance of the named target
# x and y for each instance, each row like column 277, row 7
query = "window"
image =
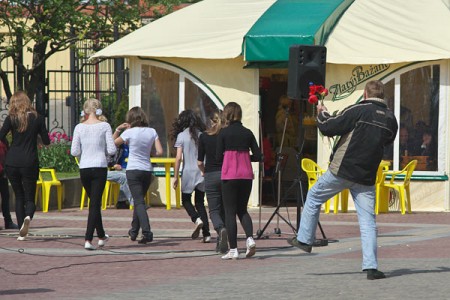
column 413, row 93
column 165, row 92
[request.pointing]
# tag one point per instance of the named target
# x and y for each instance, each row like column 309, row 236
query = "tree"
column 45, row 27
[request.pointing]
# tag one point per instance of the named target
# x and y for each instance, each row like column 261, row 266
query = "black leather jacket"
column 364, row 129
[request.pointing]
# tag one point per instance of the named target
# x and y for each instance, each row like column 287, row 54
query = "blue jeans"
column 325, row 188
column 121, row 178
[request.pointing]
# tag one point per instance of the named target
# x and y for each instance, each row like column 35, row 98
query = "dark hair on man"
column 136, row 117
column 374, row 89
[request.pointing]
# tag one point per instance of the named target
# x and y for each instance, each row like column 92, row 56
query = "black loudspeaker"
column 306, row 64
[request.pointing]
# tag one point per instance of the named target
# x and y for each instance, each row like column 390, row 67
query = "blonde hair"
column 90, row 106
column 19, row 108
column 216, row 120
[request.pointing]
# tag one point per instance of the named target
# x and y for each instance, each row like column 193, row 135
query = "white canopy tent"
column 369, row 32
column 206, row 41
column 391, row 31
column 211, row 29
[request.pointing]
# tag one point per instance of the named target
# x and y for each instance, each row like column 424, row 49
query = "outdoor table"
column 169, row 162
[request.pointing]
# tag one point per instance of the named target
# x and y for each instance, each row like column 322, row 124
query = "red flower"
column 313, row 99
column 316, row 93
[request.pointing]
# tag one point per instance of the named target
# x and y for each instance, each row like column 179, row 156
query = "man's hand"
column 321, row 108
column 117, row 167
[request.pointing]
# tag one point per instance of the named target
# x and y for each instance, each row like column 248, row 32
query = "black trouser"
column 199, row 211
column 93, row 180
column 23, row 181
column 4, row 191
column 139, row 182
column 235, row 194
column 213, row 190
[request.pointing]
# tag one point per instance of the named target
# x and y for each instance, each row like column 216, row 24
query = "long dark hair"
column 187, row 119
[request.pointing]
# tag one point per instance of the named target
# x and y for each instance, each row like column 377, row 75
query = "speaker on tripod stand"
column 306, row 64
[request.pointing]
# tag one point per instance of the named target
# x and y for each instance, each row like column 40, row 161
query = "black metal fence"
column 68, row 89
column 69, row 86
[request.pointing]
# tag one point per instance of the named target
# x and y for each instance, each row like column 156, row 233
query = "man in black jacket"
column 364, row 130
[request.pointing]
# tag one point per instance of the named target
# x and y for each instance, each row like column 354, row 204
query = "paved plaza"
column 414, row 252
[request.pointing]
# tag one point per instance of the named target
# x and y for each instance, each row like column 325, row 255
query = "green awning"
column 287, row 23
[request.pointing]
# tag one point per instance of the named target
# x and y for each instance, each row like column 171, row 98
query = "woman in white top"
column 92, row 142
column 140, row 139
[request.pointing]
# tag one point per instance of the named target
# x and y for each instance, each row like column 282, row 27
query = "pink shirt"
column 236, row 165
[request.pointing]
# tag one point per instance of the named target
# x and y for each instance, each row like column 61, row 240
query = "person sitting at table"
column 428, row 148
column 406, row 145
column 117, row 173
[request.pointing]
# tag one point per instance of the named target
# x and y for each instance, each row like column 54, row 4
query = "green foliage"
column 109, row 104
column 57, row 154
column 120, row 112
column 50, row 26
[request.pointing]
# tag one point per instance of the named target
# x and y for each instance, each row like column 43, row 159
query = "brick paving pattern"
column 52, row 263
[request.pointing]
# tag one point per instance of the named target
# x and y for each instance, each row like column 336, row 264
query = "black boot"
column 373, row 274
column 9, row 224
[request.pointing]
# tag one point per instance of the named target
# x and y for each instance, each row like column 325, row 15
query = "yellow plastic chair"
column 381, row 192
column 109, row 197
column 110, row 194
column 313, row 172
column 83, row 191
column 47, row 185
column 403, row 187
column 39, row 189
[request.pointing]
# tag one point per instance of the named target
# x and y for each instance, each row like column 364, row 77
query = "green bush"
column 57, row 154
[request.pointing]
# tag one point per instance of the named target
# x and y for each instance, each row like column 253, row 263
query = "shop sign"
column 359, row 75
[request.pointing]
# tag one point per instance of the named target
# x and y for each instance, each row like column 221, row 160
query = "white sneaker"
column 207, row 239
column 88, row 246
column 232, row 254
column 21, row 238
column 251, row 247
column 198, row 226
column 102, row 242
column 25, row 227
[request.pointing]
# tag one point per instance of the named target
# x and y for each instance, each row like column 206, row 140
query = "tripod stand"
column 296, row 182
column 277, row 173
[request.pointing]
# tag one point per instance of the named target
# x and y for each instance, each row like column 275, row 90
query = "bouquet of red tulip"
column 316, row 93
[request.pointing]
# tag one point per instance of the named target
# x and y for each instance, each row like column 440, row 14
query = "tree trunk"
column 36, row 85
column 6, row 85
